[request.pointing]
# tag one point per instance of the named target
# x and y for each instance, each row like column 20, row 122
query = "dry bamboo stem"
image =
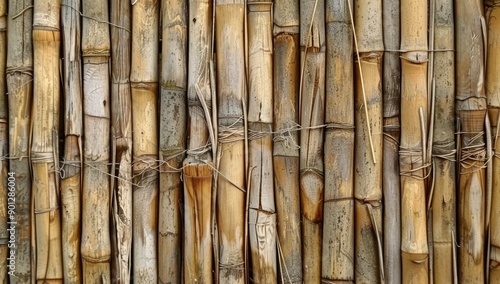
column 231, row 93
column 413, row 100
column 198, row 176
column 172, row 138
column 96, row 246
column 443, row 150
column 71, row 180
column 121, row 121
column 44, row 152
column 338, row 228
column 471, row 111
column 4, row 166
column 312, row 42
column 285, row 151
column 391, row 180
column 19, row 86
column 369, row 118
column 144, row 82
column 262, row 212
column 493, row 95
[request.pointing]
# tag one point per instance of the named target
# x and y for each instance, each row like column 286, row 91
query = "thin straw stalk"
column 4, row 148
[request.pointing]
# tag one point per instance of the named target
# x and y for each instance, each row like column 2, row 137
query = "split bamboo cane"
column 4, row 148
column 231, row 97
column 311, row 103
column 121, row 121
column 338, row 223
column 471, row 112
column 144, row 82
column 19, row 86
column 44, row 143
column 172, row 138
column 96, row 243
column 71, row 179
column 285, row 148
column 412, row 149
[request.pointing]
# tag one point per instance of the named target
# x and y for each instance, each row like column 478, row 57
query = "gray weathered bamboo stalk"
column 144, row 82
column 96, row 243
column 19, row 87
column 121, row 121
column 338, row 228
column 286, row 68
column 414, row 58
column 368, row 154
column 443, row 149
column 4, row 147
column 172, row 138
column 471, row 112
column 231, row 93
column 262, row 212
column 71, row 180
column 391, row 181
column 311, row 102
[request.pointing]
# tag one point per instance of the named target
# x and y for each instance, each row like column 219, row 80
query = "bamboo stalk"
column 172, row 138
column 19, row 86
column 121, row 121
column 285, row 149
column 4, row 148
column 391, row 85
column 71, row 181
column 368, row 162
column 144, row 82
column 311, row 103
column 471, row 111
column 44, row 152
column 338, row 223
column 443, row 199
column 231, row 93
column 413, row 100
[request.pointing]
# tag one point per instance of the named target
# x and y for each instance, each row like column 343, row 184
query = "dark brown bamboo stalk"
column 4, row 148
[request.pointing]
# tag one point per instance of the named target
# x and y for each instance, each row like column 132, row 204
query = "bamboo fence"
column 285, row 141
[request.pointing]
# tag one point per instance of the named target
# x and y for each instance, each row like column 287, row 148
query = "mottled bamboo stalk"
column 172, row 138
column 338, row 223
column 19, row 87
column 471, row 112
column 414, row 101
column 443, row 149
column 231, row 93
column 4, row 149
column 144, row 82
column 121, row 121
column 286, row 68
column 312, row 99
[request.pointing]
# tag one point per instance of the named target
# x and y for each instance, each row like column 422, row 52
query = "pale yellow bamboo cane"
column 4, row 148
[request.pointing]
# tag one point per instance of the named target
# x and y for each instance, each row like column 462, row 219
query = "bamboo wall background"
column 285, row 141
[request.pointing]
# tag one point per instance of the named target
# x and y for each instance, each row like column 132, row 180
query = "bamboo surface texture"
column 4, row 148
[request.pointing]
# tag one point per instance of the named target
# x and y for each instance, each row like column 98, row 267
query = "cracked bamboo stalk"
column 19, row 87
column 368, row 154
column 312, row 98
column 286, row 68
column 144, row 82
column 338, row 228
column 121, row 121
column 44, row 152
column 443, row 199
column 96, row 243
column 172, row 138
column 4, row 148
column 414, row 58
column 471, row 111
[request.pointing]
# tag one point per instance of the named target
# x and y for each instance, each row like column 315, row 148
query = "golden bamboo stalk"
column 172, row 138
column 4, row 148
column 144, row 82
column 231, row 93
column 311, row 103
column 121, row 121
column 413, row 102
column 471, row 112
column 286, row 68
column 19, row 86
column 338, row 223
column 443, row 149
